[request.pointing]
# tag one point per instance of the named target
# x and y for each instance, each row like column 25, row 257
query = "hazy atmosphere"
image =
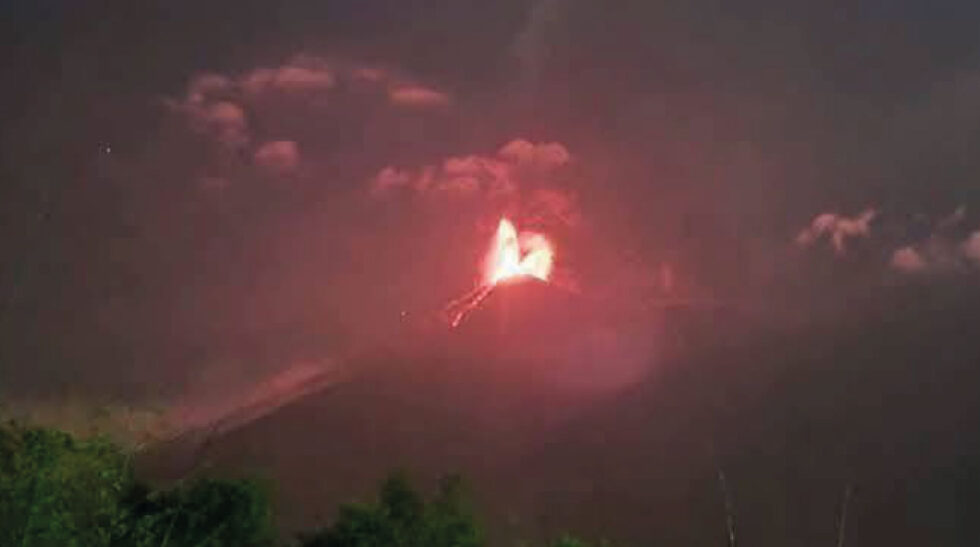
column 743, row 280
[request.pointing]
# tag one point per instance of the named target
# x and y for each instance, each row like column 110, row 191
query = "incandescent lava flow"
column 520, row 327
column 512, row 256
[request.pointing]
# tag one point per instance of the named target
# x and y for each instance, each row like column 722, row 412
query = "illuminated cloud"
column 210, row 109
column 417, row 96
column 226, row 121
column 908, row 260
column 545, row 155
column 278, row 156
column 206, row 87
column 943, row 250
column 521, row 173
column 547, row 206
column 289, row 79
column 837, row 228
column 228, row 108
column 971, row 248
column 955, row 218
column 390, row 180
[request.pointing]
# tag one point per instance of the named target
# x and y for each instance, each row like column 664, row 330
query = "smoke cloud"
column 417, row 96
column 522, row 175
column 838, row 229
column 943, row 250
column 227, row 108
column 303, row 75
column 908, row 260
column 278, row 157
column 971, row 248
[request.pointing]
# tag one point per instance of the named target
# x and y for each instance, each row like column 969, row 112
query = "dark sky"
column 190, row 183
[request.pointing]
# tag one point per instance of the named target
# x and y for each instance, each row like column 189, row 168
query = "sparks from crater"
column 512, row 255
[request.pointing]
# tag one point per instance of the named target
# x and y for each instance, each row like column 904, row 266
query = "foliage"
column 56, row 490
column 206, row 513
column 570, row 541
column 402, row 518
column 59, row 491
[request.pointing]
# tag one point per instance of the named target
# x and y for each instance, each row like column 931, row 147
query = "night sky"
column 198, row 194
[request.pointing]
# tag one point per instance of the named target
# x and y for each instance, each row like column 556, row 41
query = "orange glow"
column 510, row 255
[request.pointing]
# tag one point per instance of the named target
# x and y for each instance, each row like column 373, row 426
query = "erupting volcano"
column 512, row 256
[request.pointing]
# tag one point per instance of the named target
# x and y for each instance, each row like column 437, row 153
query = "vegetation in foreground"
column 60, row 491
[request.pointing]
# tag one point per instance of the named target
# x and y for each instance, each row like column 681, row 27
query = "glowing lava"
column 511, row 256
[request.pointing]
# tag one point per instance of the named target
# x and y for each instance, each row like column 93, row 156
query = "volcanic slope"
column 473, row 399
column 782, row 422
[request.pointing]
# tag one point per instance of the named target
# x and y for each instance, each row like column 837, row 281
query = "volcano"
column 523, row 312
column 474, row 399
column 784, row 415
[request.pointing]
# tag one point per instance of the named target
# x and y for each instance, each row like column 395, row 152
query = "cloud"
column 971, row 248
column 546, row 205
column 278, row 156
column 237, row 111
column 389, row 180
column 943, row 250
column 954, row 219
column 542, row 156
column 837, row 228
column 412, row 95
column 520, row 173
column 490, row 174
column 210, row 109
column 288, row 78
column 226, row 121
column 206, row 86
column 937, row 254
column 216, row 104
column 908, row 260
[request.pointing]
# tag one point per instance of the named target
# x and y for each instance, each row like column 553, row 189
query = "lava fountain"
column 511, row 256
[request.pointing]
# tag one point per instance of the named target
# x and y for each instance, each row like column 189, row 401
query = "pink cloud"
column 940, row 252
column 206, row 86
column 278, row 156
column 464, row 185
column 209, row 109
column 837, row 228
column 417, row 96
column 971, row 248
column 544, row 155
column 908, row 260
column 288, row 78
column 225, row 120
column 215, row 104
column 503, row 179
column 547, row 206
column 389, row 180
